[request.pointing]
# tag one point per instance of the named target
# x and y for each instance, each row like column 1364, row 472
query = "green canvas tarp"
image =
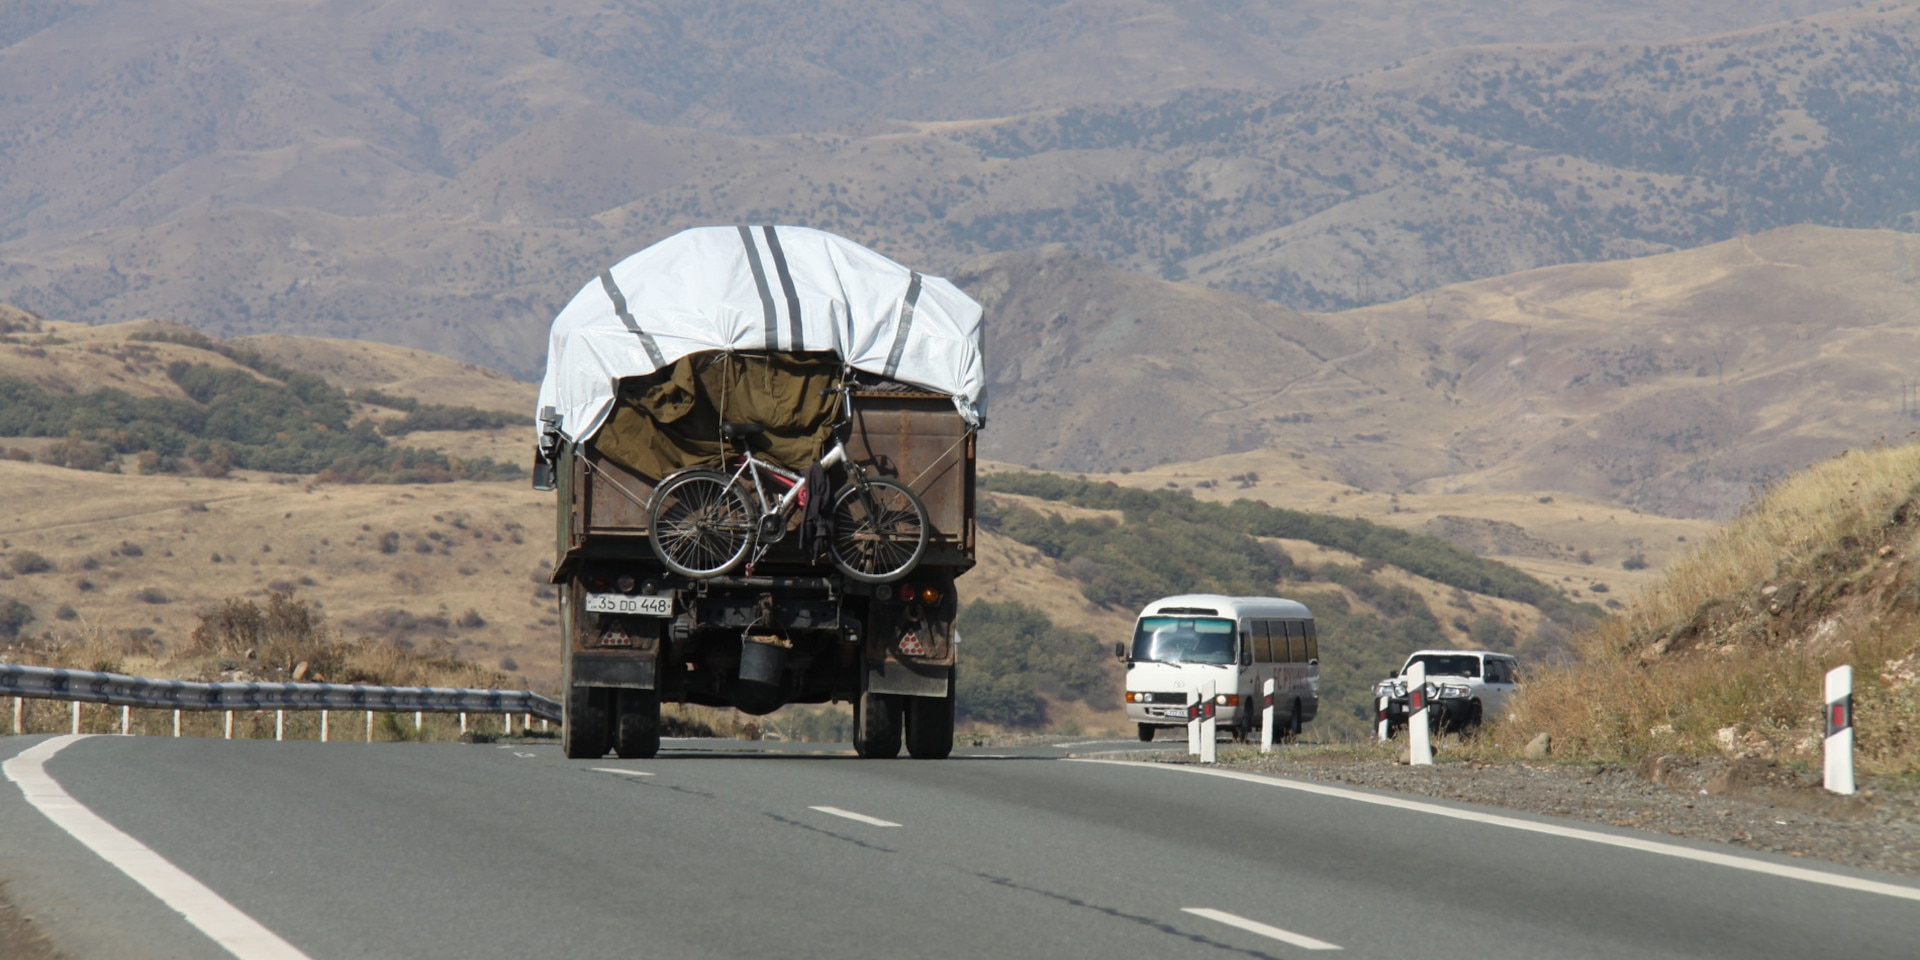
column 670, row 419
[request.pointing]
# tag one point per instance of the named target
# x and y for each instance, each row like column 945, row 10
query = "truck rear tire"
column 583, row 724
column 876, row 726
column 930, row 727
column 636, row 733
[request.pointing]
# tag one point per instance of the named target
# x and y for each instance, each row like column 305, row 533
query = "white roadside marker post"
column 369, row 726
column 1209, row 727
column 76, row 717
column 506, row 724
column 1266, row 716
column 1839, row 752
column 19, row 714
column 279, row 725
column 126, row 719
column 323, row 726
column 1419, row 742
column 416, row 721
column 229, row 724
column 176, row 723
column 463, row 723
column 1193, row 723
column 1382, row 727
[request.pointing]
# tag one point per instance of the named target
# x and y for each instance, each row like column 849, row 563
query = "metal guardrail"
column 89, row 686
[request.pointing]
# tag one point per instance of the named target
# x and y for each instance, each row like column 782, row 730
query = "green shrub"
column 231, row 419
column 1012, row 653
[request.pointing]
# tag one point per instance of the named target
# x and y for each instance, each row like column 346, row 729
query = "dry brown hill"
column 1672, row 384
column 444, row 175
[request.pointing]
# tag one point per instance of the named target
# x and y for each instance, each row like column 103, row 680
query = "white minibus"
column 1238, row 643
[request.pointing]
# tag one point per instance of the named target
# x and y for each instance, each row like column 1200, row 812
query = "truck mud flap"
column 633, row 673
column 909, row 679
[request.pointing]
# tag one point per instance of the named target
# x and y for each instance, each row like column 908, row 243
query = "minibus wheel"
column 1146, row 733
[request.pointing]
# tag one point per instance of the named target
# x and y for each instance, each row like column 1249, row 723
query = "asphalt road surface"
column 728, row 850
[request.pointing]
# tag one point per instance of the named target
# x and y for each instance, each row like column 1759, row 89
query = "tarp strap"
column 906, row 324
column 760, row 281
column 786, row 285
column 620, row 307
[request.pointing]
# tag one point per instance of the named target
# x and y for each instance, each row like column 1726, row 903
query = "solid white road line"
column 240, row 934
column 1551, row 829
column 624, row 773
column 1254, row 926
column 850, row 815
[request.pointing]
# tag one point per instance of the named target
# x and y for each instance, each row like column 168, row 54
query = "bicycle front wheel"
column 879, row 530
column 701, row 523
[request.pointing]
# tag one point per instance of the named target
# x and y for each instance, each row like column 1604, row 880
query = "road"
column 728, row 851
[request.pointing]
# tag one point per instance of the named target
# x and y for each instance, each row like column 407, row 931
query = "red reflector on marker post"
column 1839, row 743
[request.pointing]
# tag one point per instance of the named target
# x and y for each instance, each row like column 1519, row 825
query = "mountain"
column 1673, row 384
column 445, row 175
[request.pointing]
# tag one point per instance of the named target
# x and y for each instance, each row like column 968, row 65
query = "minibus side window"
column 1262, row 645
column 1313, row 641
column 1296, row 642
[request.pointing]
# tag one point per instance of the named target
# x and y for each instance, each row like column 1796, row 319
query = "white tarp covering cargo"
column 759, row 288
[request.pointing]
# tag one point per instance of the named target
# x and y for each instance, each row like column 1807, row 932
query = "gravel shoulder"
column 1745, row 804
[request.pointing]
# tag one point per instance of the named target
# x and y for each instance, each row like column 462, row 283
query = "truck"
column 727, row 419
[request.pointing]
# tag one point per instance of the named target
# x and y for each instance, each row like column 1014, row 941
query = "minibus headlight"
column 1226, row 699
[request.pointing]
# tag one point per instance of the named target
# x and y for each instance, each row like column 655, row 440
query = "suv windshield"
column 1183, row 640
column 1449, row 665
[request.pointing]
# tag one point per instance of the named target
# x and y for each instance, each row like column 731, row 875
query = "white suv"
column 1462, row 687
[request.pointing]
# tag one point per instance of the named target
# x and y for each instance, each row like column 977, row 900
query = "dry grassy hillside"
column 1672, row 384
column 1726, row 654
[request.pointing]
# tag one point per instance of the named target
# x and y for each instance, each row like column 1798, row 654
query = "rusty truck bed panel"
column 918, row 439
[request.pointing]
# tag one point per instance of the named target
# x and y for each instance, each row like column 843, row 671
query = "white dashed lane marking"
column 850, row 815
column 624, row 773
column 1300, row 940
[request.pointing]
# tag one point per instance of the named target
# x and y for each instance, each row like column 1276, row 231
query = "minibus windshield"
column 1183, row 640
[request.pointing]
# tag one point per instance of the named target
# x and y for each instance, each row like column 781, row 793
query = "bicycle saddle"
column 735, row 431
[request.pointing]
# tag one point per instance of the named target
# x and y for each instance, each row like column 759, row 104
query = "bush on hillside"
column 230, row 419
column 1011, row 654
column 1424, row 556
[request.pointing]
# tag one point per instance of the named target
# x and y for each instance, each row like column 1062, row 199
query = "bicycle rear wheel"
column 879, row 530
column 701, row 523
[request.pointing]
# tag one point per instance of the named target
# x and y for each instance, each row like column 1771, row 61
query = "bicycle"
column 703, row 522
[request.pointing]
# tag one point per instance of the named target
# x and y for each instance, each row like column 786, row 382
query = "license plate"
column 644, row 606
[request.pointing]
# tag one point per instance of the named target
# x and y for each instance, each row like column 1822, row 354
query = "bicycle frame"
column 796, row 482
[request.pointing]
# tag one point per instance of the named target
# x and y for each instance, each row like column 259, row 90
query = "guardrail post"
column 76, row 716
column 176, row 723
column 1266, row 716
column 126, row 719
column 1839, row 746
column 323, row 726
column 1419, row 740
column 369, row 726
column 1210, row 727
column 229, row 724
